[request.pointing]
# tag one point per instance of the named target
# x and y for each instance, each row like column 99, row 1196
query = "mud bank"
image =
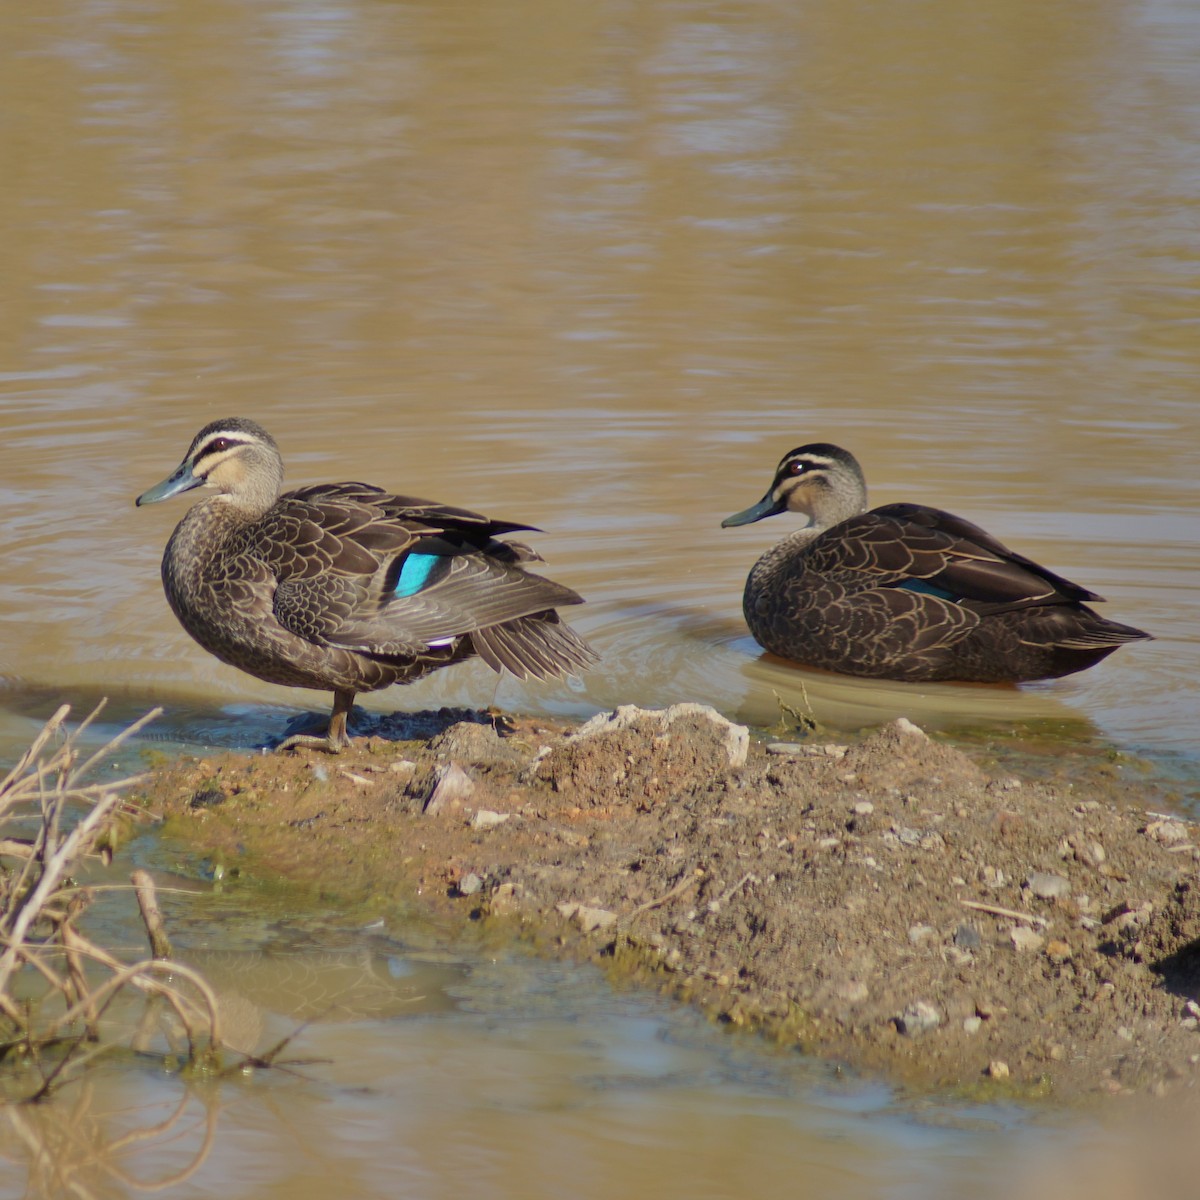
column 893, row 903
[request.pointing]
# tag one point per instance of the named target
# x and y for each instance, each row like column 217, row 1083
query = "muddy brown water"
column 596, row 268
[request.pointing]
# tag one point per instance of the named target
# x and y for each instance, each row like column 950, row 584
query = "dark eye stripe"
column 219, row 445
column 797, row 466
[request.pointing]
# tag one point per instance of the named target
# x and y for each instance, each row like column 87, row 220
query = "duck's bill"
column 181, row 481
column 768, row 506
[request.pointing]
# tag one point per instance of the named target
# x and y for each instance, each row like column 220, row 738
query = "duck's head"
column 820, row 480
column 236, row 458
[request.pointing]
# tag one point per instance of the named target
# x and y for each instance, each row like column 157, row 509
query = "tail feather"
column 540, row 646
column 1110, row 634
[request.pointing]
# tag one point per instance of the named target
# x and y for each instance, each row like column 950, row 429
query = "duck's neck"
column 201, row 535
column 832, row 508
column 256, row 491
column 777, row 560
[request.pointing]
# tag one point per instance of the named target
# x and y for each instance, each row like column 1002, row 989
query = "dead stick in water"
column 160, row 944
column 997, row 911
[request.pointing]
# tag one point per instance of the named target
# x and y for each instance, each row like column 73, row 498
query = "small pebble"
column 451, row 785
column 588, row 918
column 484, row 818
column 470, row 884
column 920, row 933
column 792, row 749
column 1048, row 885
column 1024, row 938
column 997, row 1069
column 919, row 1017
column 966, row 937
column 972, row 1025
column 1091, row 854
column 1167, row 831
column 864, row 808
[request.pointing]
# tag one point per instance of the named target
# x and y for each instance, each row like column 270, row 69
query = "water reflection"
column 82, row 1145
column 306, row 985
column 533, row 1083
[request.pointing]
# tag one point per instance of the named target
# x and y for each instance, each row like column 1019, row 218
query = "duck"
column 908, row 592
column 345, row 587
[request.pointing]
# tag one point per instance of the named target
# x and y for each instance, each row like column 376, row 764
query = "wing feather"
column 336, row 552
column 899, row 543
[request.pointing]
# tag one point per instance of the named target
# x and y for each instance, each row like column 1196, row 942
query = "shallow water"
column 597, row 268
column 598, row 272
column 417, row 1073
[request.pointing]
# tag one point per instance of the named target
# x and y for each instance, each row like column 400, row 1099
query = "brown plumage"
column 344, row 587
column 909, row 592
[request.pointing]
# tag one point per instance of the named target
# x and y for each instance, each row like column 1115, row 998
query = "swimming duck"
column 344, row 587
column 908, row 592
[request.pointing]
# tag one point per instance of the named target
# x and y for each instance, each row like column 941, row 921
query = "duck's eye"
column 797, row 468
column 218, row 445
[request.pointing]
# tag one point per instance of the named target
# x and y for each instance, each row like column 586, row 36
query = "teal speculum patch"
column 925, row 588
column 414, row 574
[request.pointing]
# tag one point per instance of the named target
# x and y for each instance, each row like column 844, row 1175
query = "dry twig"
column 40, row 908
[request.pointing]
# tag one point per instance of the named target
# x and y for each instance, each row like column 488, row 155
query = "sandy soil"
column 894, row 903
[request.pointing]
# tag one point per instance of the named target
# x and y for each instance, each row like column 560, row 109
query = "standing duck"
column 344, row 587
column 908, row 592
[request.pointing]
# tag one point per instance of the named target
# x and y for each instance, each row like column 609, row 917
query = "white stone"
column 485, row 818
column 1024, row 938
column 735, row 739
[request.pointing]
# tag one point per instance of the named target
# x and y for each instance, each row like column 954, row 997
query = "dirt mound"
column 890, row 902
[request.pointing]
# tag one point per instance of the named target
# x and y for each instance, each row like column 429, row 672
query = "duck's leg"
column 339, row 739
column 336, row 740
